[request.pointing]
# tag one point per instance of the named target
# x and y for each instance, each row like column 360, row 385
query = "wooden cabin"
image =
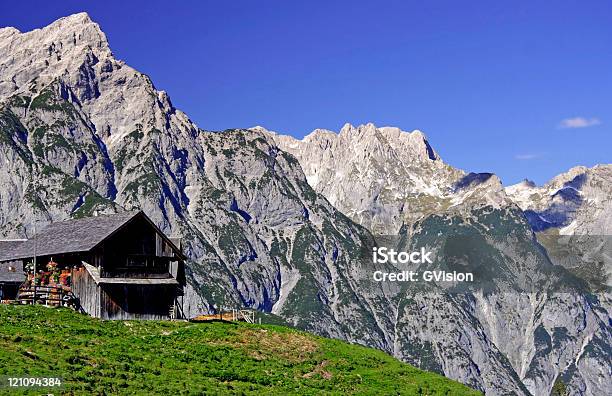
column 121, row 266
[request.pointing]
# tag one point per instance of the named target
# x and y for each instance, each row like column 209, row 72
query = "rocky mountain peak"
column 73, row 53
column 370, row 172
column 33, row 59
column 415, row 141
column 75, row 22
column 577, row 201
column 522, row 188
column 58, row 38
column 347, row 128
column 8, row 31
column 566, row 177
column 64, row 23
column 528, row 183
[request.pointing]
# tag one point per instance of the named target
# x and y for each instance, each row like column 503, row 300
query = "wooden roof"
column 10, row 273
column 8, row 246
column 74, row 236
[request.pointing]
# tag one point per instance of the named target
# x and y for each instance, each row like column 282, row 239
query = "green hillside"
column 138, row 357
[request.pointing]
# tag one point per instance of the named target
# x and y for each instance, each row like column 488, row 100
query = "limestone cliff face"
column 379, row 177
column 283, row 226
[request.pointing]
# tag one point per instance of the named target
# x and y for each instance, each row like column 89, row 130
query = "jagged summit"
column 79, row 17
column 76, row 21
column 528, row 183
column 385, row 177
column 369, row 172
column 578, row 201
column 72, row 30
column 36, row 58
column 71, row 58
column 349, row 129
column 319, row 133
column 8, row 31
column 364, row 130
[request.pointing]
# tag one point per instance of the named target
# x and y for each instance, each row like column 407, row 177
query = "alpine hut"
column 120, row 266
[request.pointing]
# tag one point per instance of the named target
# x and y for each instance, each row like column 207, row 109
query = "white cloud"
column 578, row 122
column 526, row 157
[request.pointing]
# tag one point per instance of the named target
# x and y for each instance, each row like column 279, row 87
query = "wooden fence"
column 234, row 315
column 48, row 295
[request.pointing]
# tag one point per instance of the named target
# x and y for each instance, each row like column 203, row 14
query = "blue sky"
column 521, row 88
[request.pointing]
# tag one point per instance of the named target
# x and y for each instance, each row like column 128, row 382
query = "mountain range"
column 282, row 225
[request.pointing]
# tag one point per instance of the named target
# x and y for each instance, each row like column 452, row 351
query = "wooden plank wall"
column 125, row 302
column 122, row 302
column 87, row 291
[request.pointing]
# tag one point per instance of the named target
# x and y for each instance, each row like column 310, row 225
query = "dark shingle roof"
column 11, row 273
column 79, row 235
column 8, row 246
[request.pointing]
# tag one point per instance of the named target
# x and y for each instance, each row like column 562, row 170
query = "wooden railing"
column 176, row 312
column 244, row 315
column 48, row 295
column 234, row 315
